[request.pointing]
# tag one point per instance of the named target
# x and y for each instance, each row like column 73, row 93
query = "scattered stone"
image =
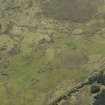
column 100, row 98
column 64, row 102
column 92, row 78
column 97, row 77
column 101, row 78
column 95, row 88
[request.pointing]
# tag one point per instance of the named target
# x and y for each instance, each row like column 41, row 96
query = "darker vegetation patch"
column 70, row 59
column 70, row 10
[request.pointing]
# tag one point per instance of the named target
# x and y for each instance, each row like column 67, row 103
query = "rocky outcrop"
column 100, row 98
column 95, row 81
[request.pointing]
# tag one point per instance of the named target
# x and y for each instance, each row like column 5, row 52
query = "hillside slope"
column 47, row 47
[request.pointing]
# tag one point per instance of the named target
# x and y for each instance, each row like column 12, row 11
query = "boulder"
column 95, row 88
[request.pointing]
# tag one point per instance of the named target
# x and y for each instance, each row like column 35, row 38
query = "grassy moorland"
column 44, row 55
